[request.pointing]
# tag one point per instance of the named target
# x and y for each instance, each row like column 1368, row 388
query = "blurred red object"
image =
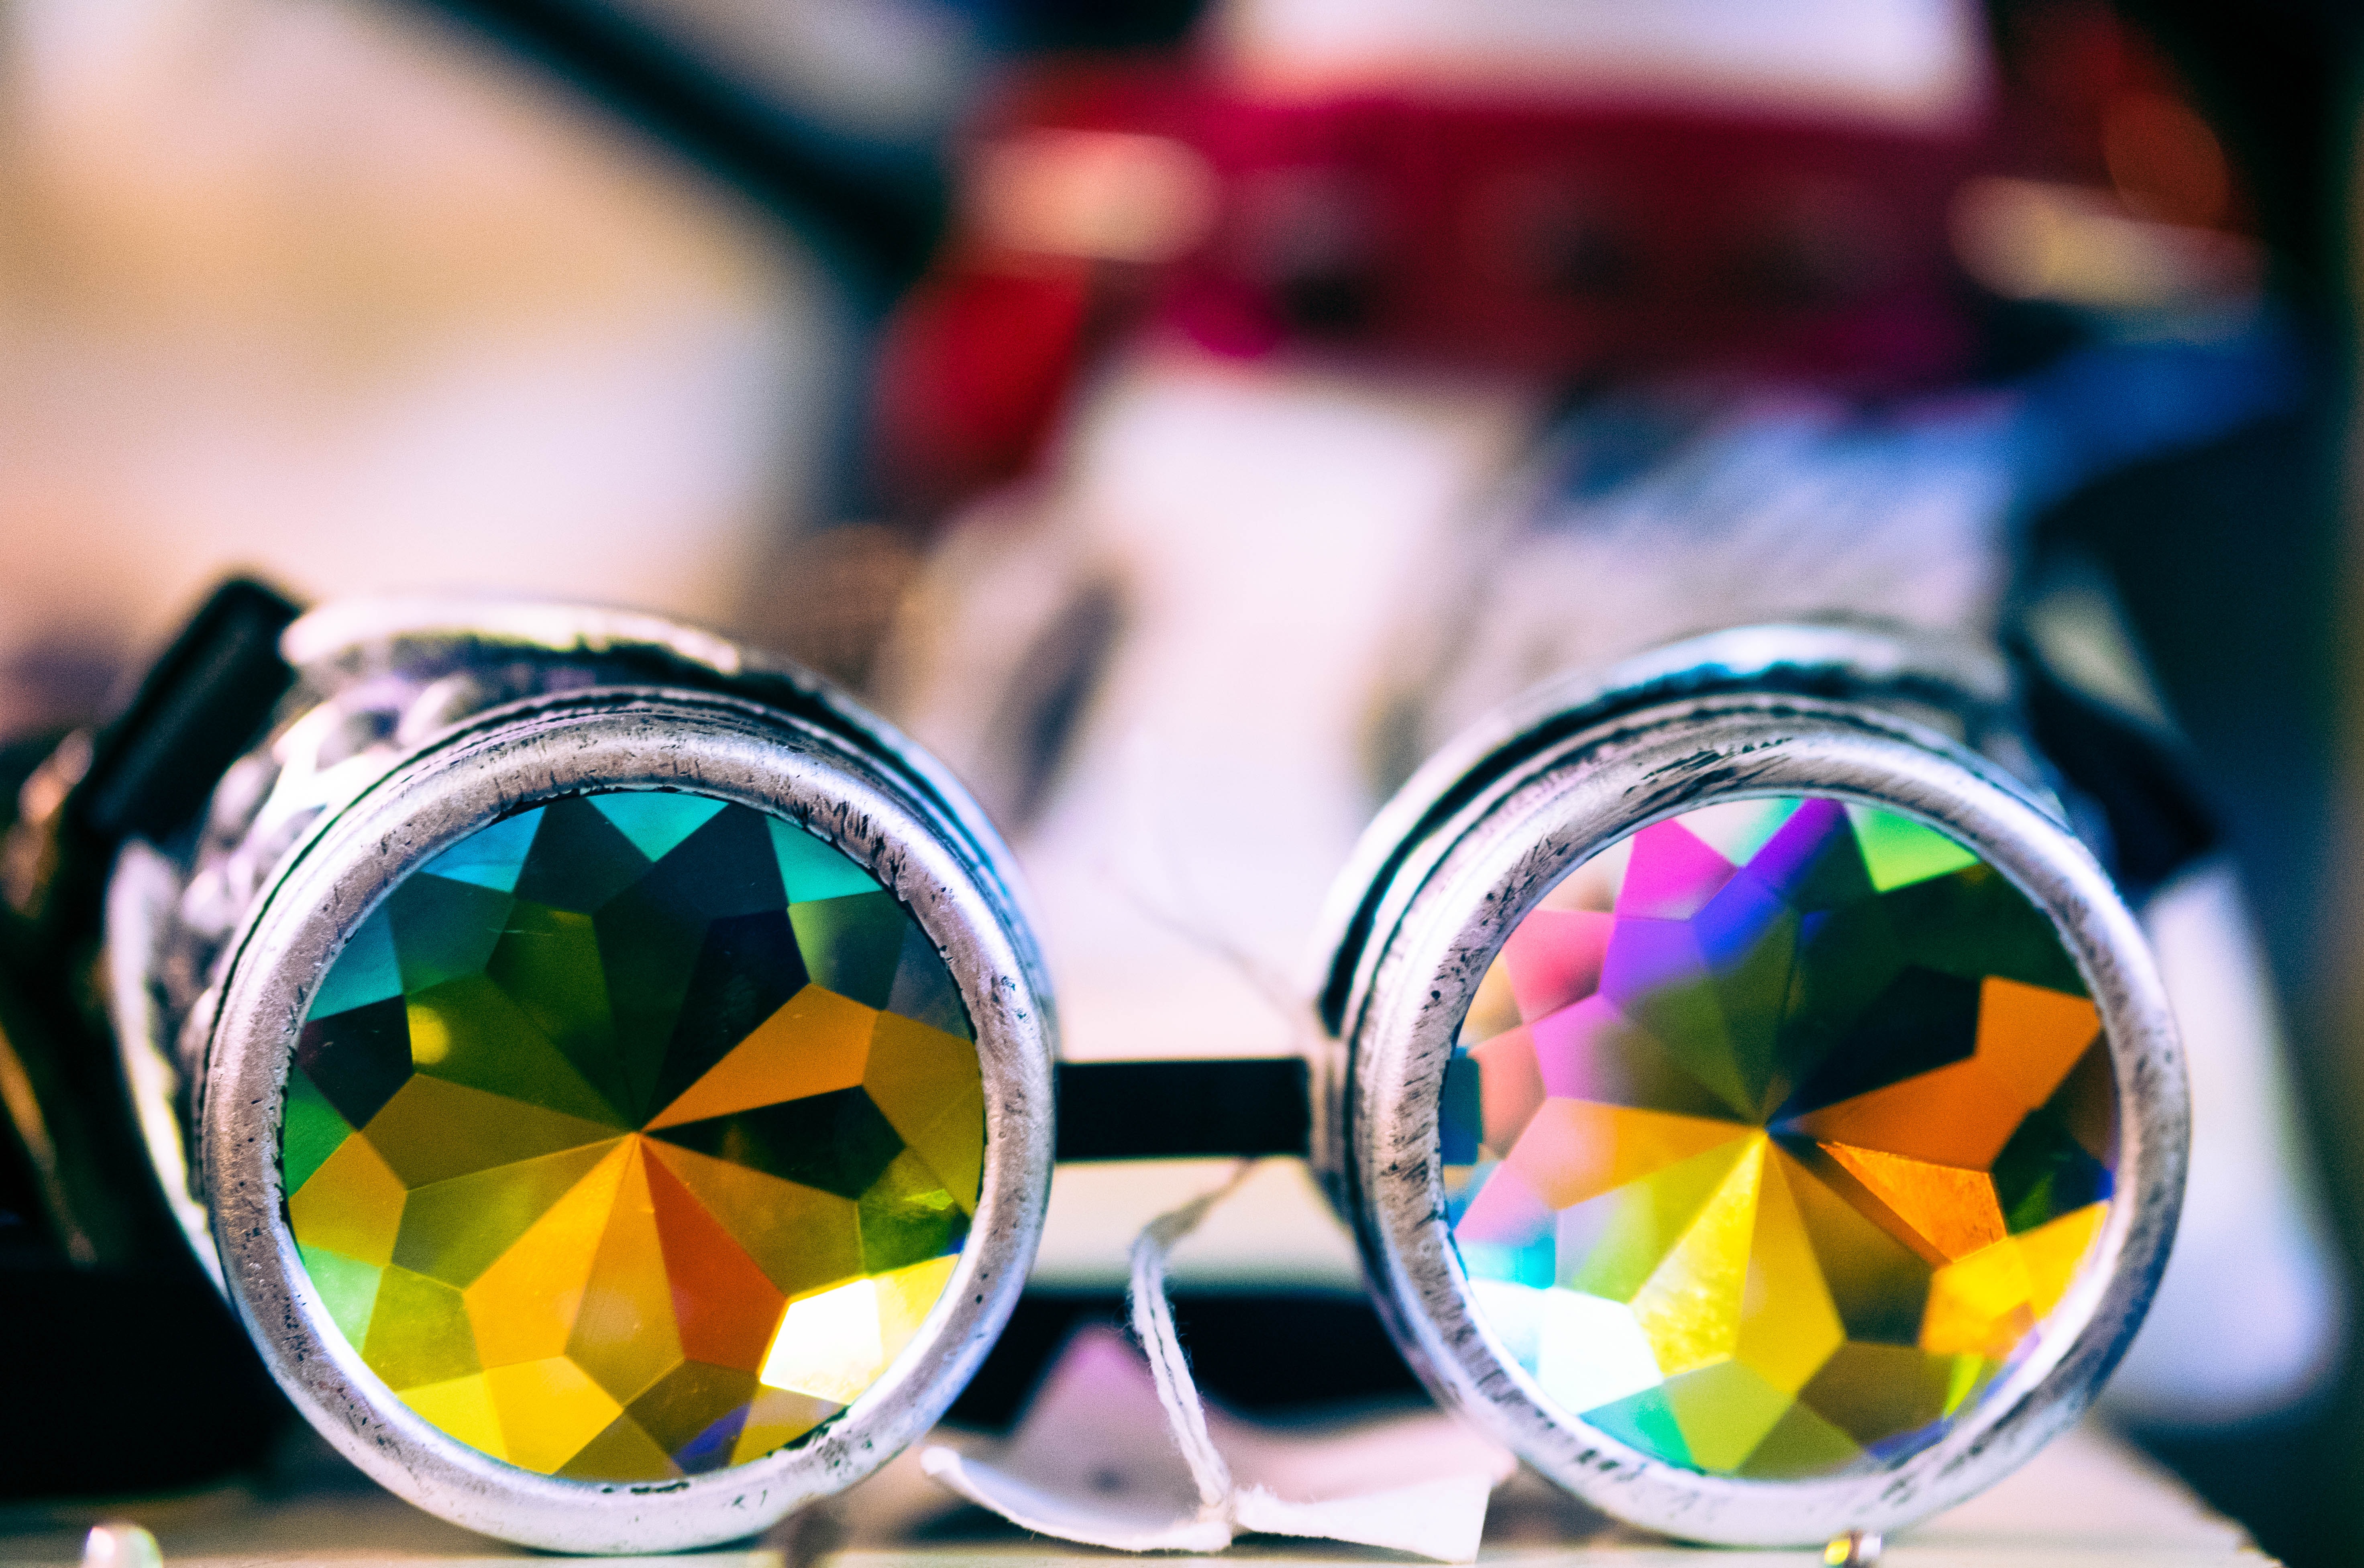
column 973, row 372
column 1580, row 239
column 1534, row 238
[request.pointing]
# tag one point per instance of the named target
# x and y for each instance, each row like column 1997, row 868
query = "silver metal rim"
column 1961, row 687
column 337, row 643
column 1498, row 860
column 540, row 750
column 141, row 893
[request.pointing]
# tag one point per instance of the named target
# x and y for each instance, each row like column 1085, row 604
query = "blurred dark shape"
column 1045, row 27
column 873, row 211
column 2161, row 100
column 2227, row 559
column 127, row 1371
column 148, row 772
column 2155, row 822
column 868, row 200
column 1249, row 1109
column 2233, row 124
column 132, row 1333
column 141, row 1382
column 198, row 707
column 872, row 206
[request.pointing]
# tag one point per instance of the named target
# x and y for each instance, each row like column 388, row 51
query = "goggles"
column 615, row 1083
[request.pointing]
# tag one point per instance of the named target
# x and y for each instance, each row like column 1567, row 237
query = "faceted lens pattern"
column 1774, row 1134
column 633, row 1136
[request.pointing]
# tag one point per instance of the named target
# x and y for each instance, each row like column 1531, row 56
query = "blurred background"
column 1184, row 415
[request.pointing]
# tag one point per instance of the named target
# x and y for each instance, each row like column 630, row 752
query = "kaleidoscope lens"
column 633, row 1135
column 1773, row 1135
column 1758, row 1110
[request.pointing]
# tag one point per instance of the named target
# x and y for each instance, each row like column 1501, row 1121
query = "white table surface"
column 2086, row 1502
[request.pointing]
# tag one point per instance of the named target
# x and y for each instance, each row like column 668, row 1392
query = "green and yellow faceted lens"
column 633, row 1136
column 1774, row 1135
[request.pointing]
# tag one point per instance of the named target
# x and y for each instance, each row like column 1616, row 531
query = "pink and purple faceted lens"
column 1775, row 1134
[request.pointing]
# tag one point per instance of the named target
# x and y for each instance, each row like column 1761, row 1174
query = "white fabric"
column 1119, row 1451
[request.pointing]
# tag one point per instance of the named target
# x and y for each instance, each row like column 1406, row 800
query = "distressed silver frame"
column 854, row 783
column 1478, row 839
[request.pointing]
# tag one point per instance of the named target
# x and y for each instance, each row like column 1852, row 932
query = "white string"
column 1441, row 1517
column 1152, row 1325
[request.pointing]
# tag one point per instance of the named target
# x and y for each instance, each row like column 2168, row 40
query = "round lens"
column 633, row 1135
column 1773, row 1135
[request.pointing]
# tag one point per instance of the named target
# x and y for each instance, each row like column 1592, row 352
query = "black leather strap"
column 1146, row 1110
column 197, row 710
column 2133, row 776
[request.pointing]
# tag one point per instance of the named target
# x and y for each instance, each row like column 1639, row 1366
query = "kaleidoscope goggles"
column 615, row 1077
